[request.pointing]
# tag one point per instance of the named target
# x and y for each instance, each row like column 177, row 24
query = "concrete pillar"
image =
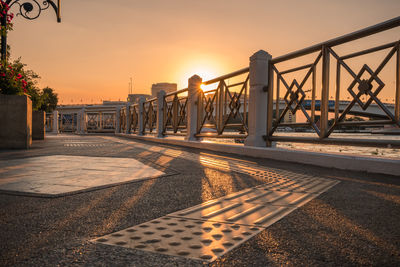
column 141, row 116
column 192, row 107
column 117, row 119
column 258, row 99
column 160, row 113
column 55, row 121
column 128, row 119
column 82, row 116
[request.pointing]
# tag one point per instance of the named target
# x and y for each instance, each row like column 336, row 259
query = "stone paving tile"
column 69, row 174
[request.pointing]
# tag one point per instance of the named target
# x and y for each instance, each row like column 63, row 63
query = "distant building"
column 167, row 87
column 134, row 98
column 289, row 117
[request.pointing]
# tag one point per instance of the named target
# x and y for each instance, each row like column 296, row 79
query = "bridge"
column 138, row 191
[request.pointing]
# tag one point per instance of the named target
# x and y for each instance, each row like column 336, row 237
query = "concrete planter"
column 38, row 124
column 15, row 121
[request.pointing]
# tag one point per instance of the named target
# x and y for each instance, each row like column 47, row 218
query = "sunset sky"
column 100, row 44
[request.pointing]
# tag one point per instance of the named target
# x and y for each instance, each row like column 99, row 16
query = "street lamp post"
column 28, row 9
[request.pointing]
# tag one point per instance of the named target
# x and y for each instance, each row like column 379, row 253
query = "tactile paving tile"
column 265, row 196
column 224, row 211
column 209, row 230
column 220, row 225
column 196, row 239
column 310, row 185
column 89, row 145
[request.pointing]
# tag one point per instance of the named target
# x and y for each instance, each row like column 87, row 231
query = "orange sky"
column 100, row 44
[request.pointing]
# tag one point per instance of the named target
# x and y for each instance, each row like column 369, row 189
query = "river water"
column 376, row 152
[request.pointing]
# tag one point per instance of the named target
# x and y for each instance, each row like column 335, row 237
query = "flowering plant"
column 12, row 79
column 4, row 8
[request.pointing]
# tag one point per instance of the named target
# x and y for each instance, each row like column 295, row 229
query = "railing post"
column 220, row 107
column 258, row 99
column 324, row 93
column 160, row 113
column 192, row 110
column 141, row 116
column 84, row 121
column 117, row 119
column 397, row 94
column 55, row 121
column 128, row 119
column 79, row 122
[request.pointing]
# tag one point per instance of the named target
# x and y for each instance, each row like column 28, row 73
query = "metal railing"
column 175, row 113
column 222, row 111
column 134, row 121
column 67, row 122
column 97, row 122
column 363, row 90
column 150, row 115
column 122, row 120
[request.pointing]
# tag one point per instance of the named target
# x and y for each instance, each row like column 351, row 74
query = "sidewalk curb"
column 342, row 162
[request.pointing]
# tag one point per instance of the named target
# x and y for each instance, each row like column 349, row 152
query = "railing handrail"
column 176, row 92
column 227, row 76
column 150, row 100
column 380, row 27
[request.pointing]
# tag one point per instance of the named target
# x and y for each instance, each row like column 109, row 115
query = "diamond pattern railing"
column 308, row 91
column 365, row 88
column 150, row 115
column 108, row 121
column 223, row 110
column 93, row 122
column 98, row 122
column 122, row 120
column 67, row 122
column 134, row 122
column 175, row 113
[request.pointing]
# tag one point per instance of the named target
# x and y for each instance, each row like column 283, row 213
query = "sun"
column 206, row 69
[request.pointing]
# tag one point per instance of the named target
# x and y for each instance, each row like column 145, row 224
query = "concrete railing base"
column 342, row 162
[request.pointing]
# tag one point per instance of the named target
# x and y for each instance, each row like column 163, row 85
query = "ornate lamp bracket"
column 32, row 9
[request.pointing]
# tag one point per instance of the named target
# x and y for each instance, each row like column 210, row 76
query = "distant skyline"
column 100, row 44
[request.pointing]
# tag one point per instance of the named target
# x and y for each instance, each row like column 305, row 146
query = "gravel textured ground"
column 355, row 223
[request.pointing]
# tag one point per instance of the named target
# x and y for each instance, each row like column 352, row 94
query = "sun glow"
column 206, row 67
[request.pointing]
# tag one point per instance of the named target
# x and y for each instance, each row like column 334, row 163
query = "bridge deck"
column 355, row 222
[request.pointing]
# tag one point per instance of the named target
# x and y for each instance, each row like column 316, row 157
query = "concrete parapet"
column 15, row 121
column 38, row 124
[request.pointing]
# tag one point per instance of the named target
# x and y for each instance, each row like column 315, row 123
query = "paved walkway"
column 68, row 191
